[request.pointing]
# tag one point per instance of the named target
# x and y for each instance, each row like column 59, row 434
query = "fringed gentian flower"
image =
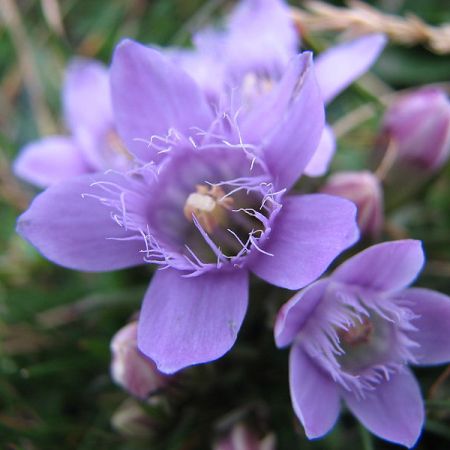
column 253, row 51
column 353, row 335
column 93, row 144
column 205, row 206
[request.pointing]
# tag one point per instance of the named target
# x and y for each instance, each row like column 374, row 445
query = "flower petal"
column 77, row 231
column 322, row 157
column 432, row 323
column 296, row 311
column 204, row 66
column 289, row 121
column 393, row 411
column 50, row 160
column 151, row 96
column 315, row 396
column 186, row 321
column 261, row 38
column 389, row 266
column 87, row 83
column 308, row 233
column 339, row 66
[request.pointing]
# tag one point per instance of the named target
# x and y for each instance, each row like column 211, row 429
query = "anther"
column 209, row 205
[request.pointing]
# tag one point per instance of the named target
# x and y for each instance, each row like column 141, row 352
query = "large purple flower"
column 93, row 143
column 204, row 205
column 253, row 51
column 353, row 335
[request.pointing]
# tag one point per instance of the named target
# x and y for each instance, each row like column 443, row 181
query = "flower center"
column 365, row 344
column 358, row 334
column 358, row 337
column 224, row 220
column 209, row 205
column 254, row 86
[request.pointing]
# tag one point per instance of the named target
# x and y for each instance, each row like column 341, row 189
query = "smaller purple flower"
column 251, row 53
column 130, row 368
column 418, row 126
column 365, row 191
column 93, row 144
column 352, row 336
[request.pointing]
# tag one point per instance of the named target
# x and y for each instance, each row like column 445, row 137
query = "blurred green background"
column 56, row 324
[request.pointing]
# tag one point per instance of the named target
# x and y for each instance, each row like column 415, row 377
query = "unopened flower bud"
column 131, row 420
column 241, row 437
column 130, row 368
column 363, row 189
column 418, row 127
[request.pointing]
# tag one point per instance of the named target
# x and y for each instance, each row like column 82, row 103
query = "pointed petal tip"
column 307, row 56
column 126, row 45
column 379, row 38
column 170, row 366
column 167, row 369
column 313, row 433
column 125, row 42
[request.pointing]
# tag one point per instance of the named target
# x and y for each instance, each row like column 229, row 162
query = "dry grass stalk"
column 362, row 18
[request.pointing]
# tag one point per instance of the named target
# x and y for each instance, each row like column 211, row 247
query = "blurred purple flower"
column 242, row 438
column 93, row 144
column 418, row 126
column 353, row 335
column 130, row 368
column 253, row 51
column 363, row 189
column 206, row 206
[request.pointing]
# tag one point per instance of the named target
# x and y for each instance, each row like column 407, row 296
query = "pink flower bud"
column 130, row 368
column 241, row 437
column 418, row 123
column 363, row 189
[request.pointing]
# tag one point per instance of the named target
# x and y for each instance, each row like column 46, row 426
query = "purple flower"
column 363, row 189
column 130, row 368
column 93, row 144
column 205, row 206
column 253, row 52
column 353, row 335
column 418, row 126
